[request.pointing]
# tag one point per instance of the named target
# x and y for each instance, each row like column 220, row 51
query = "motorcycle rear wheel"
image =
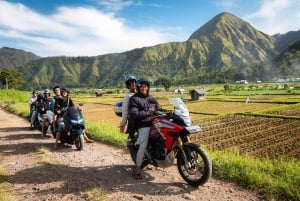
column 198, row 169
column 79, row 142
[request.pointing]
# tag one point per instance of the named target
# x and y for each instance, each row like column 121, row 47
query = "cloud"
column 276, row 16
column 72, row 31
column 114, row 5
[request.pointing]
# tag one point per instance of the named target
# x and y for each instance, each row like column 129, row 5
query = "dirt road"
column 38, row 172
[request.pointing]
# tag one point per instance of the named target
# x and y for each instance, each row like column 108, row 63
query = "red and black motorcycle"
column 169, row 140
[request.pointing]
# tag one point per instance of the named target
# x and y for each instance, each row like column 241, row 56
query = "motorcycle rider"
column 130, row 82
column 32, row 102
column 57, row 92
column 46, row 110
column 141, row 108
column 60, row 107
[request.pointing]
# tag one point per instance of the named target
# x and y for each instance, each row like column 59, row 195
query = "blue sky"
column 97, row 27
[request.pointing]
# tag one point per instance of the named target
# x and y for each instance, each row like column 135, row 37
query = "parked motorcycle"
column 74, row 128
column 169, row 140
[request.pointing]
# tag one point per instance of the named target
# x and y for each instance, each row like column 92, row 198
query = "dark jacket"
column 62, row 103
column 139, row 105
column 44, row 105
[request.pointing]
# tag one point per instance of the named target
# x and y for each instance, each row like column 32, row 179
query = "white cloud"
column 276, row 16
column 72, row 31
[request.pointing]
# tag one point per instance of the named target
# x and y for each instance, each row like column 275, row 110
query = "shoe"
column 89, row 141
column 138, row 175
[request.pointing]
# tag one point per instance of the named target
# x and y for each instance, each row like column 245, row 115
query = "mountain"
column 223, row 50
column 229, row 39
column 10, row 57
column 285, row 40
column 288, row 62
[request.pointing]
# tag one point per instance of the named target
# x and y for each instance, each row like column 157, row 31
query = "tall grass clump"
column 277, row 179
column 106, row 133
column 15, row 101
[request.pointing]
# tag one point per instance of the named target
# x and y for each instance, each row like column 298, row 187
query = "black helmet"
column 142, row 81
column 40, row 97
column 65, row 89
column 34, row 92
column 129, row 78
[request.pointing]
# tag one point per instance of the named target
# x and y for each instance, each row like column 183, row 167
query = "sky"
column 97, row 27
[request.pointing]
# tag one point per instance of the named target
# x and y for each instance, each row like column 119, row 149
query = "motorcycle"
column 74, row 128
column 169, row 140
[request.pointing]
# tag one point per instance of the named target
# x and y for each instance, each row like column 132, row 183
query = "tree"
column 163, row 81
column 11, row 78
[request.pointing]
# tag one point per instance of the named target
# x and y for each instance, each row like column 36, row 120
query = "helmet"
column 142, row 81
column 34, row 92
column 129, row 78
column 47, row 91
column 65, row 89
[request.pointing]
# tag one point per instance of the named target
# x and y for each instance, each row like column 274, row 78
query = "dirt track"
column 67, row 174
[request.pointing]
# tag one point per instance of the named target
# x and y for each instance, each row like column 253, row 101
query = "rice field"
column 227, row 123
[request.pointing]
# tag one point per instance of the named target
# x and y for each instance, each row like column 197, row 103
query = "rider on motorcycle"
column 46, row 110
column 32, row 107
column 130, row 82
column 141, row 108
column 57, row 92
column 61, row 105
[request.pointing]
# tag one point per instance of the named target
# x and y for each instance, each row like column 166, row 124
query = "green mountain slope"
column 10, row 57
column 288, row 62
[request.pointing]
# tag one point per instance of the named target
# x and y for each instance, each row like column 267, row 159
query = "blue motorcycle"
column 74, row 127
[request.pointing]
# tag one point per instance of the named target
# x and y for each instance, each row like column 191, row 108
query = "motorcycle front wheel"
column 79, row 141
column 196, row 169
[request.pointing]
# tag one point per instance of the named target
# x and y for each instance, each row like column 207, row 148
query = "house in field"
column 242, row 82
column 197, row 94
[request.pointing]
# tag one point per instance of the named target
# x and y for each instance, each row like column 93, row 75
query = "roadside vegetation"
column 234, row 158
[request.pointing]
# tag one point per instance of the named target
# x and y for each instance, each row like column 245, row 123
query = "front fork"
column 181, row 149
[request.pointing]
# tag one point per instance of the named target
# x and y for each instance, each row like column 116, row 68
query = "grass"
column 106, row 133
column 278, row 179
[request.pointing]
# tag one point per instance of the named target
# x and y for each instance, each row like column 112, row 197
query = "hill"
column 288, row 62
column 10, row 57
column 223, row 50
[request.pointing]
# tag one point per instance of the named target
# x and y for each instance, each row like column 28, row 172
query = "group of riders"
column 137, row 109
column 48, row 112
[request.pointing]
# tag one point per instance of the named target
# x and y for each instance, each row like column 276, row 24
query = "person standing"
column 141, row 108
column 130, row 82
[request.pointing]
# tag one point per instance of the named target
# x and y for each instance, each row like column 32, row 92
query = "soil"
column 38, row 172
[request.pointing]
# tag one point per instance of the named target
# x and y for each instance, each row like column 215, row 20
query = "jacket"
column 62, row 103
column 139, row 105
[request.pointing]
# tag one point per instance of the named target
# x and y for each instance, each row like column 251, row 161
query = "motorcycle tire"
column 198, row 169
column 79, row 142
